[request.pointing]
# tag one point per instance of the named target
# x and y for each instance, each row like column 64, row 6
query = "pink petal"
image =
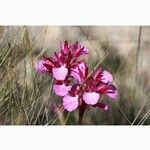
column 79, row 49
column 65, row 47
column 79, row 71
column 61, row 90
column 97, row 74
column 91, row 98
column 60, row 73
column 57, row 57
column 70, row 103
column 75, row 74
column 106, row 77
column 85, row 50
column 112, row 94
column 102, row 106
column 39, row 67
column 82, row 66
column 107, row 89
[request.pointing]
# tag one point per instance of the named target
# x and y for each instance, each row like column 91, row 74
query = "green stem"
column 81, row 113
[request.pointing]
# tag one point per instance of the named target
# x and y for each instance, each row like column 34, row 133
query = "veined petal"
column 61, row 90
column 97, row 74
column 57, row 57
column 70, row 103
column 39, row 67
column 112, row 94
column 75, row 74
column 107, row 89
column 78, row 49
column 60, row 73
column 79, row 71
column 91, row 98
column 65, row 47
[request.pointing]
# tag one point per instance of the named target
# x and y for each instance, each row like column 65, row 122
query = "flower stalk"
column 81, row 113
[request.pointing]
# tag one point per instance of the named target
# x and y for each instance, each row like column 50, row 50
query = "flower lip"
column 70, row 103
column 91, row 98
column 106, row 77
column 60, row 73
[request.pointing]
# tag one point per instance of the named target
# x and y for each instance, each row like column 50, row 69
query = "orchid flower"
column 60, row 63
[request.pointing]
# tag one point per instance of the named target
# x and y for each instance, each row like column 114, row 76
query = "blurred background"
column 26, row 97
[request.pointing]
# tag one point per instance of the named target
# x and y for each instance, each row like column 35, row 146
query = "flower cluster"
column 71, row 79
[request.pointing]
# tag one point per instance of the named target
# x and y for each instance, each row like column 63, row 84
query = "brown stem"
column 81, row 113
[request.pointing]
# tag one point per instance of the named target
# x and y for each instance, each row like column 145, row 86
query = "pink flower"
column 39, row 67
column 91, row 98
column 70, row 103
column 61, row 90
column 79, row 71
column 60, row 73
column 60, row 64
